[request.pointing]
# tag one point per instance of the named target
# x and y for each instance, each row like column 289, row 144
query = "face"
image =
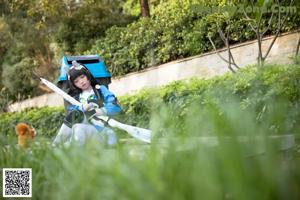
column 82, row 82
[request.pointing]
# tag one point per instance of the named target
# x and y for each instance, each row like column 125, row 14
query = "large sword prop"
column 136, row 132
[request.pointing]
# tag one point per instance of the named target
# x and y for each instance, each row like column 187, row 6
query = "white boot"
column 64, row 134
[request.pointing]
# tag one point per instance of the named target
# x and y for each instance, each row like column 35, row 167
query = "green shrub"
column 253, row 103
column 178, row 165
column 256, row 90
column 176, row 29
column 46, row 121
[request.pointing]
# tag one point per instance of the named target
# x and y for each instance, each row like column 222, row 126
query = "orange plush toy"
column 25, row 133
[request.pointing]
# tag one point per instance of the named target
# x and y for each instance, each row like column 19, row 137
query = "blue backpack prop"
column 94, row 64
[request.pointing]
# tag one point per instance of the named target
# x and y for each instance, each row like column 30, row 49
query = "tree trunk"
column 298, row 46
column 145, row 11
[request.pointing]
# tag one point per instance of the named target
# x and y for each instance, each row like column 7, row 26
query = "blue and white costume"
column 80, row 131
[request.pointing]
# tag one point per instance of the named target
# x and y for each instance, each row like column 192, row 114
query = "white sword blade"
column 139, row 133
column 61, row 92
column 143, row 134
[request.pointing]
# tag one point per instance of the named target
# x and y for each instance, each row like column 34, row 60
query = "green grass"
column 177, row 165
column 230, row 170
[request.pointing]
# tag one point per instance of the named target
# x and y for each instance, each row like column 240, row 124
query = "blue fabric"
column 73, row 107
column 110, row 102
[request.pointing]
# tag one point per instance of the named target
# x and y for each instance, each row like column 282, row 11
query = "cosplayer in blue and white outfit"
column 96, row 100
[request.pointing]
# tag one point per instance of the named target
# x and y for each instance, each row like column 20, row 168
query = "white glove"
column 100, row 112
column 87, row 106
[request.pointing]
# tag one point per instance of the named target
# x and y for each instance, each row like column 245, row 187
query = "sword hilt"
column 36, row 76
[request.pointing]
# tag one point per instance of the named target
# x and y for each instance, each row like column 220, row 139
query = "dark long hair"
column 73, row 73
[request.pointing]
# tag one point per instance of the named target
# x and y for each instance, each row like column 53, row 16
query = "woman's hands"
column 100, row 112
column 87, row 107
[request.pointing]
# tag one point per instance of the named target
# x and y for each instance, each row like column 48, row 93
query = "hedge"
column 273, row 89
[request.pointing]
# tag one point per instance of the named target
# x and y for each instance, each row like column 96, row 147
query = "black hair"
column 74, row 73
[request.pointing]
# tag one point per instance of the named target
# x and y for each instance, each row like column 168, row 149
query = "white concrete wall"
column 204, row 66
column 51, row 99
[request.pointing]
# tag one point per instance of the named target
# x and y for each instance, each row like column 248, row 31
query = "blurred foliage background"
column 36, row 34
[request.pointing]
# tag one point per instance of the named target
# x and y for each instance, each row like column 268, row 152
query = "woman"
column 96, row 100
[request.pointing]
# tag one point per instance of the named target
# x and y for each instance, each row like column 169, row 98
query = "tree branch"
column 233, row 61
column 215, row 49
column 269, row 24
column 280, row 25
column 249, row 19
column 226, row 42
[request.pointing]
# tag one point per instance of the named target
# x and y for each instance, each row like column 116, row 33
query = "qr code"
column 17, row 182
